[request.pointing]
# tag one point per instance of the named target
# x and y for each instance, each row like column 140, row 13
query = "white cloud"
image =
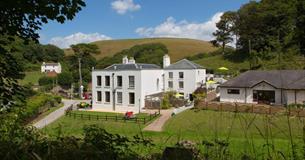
column 122, row 6
column 65, row 42
column 182, row 29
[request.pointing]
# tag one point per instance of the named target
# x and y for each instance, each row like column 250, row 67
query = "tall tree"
column 226, row 28
column 23, row 18
column 300, row 23
column 83, row 51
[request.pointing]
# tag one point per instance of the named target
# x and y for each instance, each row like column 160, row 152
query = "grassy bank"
column 244, row 132
column 31, row 77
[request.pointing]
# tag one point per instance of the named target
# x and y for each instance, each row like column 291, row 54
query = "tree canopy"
column 265, row 27
column 23, row 18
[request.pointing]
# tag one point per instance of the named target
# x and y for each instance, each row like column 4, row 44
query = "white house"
column 123, row 87
column 50, row 67
column 183, row 76
column 280, row 87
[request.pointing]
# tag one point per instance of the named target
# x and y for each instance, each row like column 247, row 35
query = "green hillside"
column 178, row 47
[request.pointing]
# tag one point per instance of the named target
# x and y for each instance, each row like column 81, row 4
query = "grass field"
column 31, row 77
column 239, row 129
column 215, row 62
column 178, row 47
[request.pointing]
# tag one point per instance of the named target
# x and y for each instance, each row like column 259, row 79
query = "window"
column 107, row 81
column 99, row 96
column 131, row 98
column 107, row 96
column 180, row 74
column 170, row 75
column 170, row 84
column 181, row 85
column 119, row 97
column 119, row 81
column 233, row 91
column 131, row 81
column 99, row 80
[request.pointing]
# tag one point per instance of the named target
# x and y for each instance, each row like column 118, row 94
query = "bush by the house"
column 65, row 79
column 43, row 81
column 38, row 104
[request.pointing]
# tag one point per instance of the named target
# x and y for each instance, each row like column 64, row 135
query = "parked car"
column 129, row 115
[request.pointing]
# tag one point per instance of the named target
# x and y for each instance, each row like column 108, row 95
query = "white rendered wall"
column 191, row 80
column 125, row 106
column 234, row 98
column 145, row 84
column 51, row 68
column 246, row 95
column 297, row 96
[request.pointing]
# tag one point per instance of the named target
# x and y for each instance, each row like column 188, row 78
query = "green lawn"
column 242, row 130
column 31, row 77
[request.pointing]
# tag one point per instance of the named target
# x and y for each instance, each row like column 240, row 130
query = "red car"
column 129, row 115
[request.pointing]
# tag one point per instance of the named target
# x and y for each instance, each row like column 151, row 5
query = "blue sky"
column 122, row 19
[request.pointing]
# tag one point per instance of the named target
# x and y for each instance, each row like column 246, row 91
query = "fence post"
column 144, row 120
column 136, row 119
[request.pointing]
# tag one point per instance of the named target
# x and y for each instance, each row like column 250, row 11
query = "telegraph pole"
column 80, row 79
column 250, row 53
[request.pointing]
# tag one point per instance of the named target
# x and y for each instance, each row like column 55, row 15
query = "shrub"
column 65, row 79
column 57, row 99
column 43, row 81
column 165, row 102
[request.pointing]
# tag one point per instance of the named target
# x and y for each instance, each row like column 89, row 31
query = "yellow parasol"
column 177, row 95
column 223, row 68
column 211, row 82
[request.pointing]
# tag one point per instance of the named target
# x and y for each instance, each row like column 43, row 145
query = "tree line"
column 262, row 30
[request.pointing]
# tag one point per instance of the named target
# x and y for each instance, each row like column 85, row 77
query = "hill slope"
column 178, row 47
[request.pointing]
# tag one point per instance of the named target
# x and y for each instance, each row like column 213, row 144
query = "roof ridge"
column 191, row 63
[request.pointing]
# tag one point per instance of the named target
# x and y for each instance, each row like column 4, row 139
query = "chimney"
column 166, row 61
column 125, row 60
column 131, row 60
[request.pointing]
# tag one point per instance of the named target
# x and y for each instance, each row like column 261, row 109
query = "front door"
column 264, row 96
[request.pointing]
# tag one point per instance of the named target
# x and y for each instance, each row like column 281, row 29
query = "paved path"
column 157, row 124
column 56, row 114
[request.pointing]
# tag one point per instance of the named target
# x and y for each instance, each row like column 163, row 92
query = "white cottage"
column 50, row 67
column 184, row 77
column 123, row 87
column 279, row 87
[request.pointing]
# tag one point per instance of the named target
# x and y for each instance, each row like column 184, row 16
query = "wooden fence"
column 251, row 108
column 116, row 118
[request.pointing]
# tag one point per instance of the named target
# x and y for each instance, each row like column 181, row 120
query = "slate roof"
column 282, row 79
column 135, row 66
column 50, row 64
column 184, row 64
